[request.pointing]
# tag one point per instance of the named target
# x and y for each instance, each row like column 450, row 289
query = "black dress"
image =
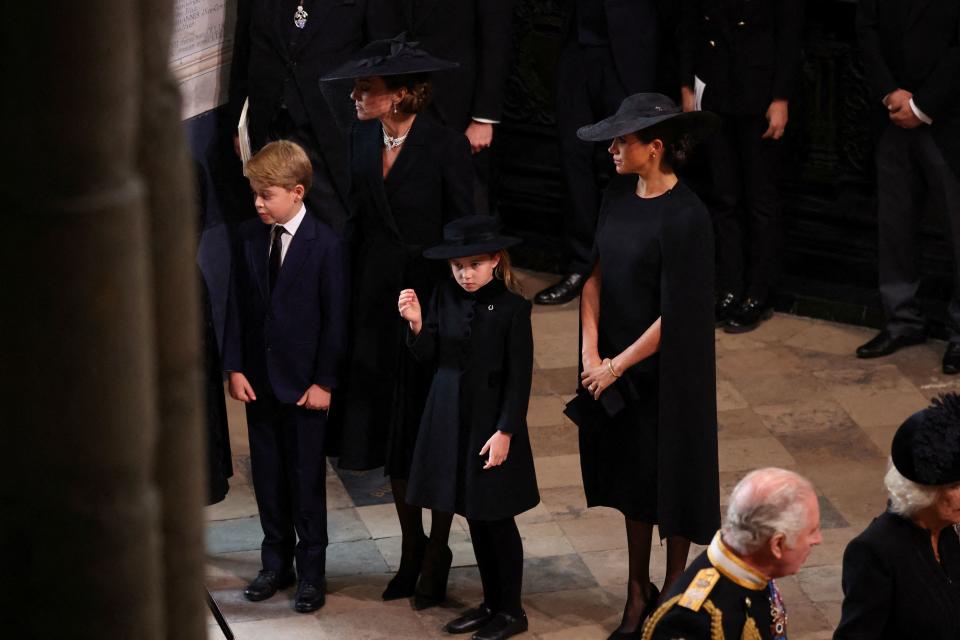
column 481, row 345
column 656, row 459
column 893, row 586
column 377, row 413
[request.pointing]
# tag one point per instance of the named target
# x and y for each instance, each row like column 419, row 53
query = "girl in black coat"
column 473, row 453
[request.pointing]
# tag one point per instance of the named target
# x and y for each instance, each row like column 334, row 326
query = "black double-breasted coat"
column 893, row 586
column 482, row 347
column 376, row 414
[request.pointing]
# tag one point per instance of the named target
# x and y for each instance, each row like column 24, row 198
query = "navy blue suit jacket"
column 285, row 341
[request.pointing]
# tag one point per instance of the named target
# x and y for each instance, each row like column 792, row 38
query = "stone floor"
column 789, row 394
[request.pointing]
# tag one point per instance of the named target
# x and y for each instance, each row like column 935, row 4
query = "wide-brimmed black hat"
column 394, row 57
column 926, row 447
column 470, row 236
column 643, row 110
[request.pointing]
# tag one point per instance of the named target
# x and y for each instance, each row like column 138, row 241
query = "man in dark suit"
column 280, row 51
column 283, row 343
column 476, row 34
column 609, row 52
column 911, row 51
column 747, row 56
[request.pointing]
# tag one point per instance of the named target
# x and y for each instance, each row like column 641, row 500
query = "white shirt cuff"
column 485, row 120
column 920, row 114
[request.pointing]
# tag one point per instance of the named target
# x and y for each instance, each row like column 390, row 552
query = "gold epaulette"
column 699, row 588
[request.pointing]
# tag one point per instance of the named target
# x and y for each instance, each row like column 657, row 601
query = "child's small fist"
column 409, row 306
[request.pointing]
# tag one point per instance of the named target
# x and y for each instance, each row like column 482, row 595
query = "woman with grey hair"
column 901, row 576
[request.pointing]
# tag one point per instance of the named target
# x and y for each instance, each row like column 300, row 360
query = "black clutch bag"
column 584, row 411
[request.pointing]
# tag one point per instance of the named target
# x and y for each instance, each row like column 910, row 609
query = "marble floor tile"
column 558, row 471
column 569, row 502
column 830, row 338
column 740, row 423
column 544, row 539
column 351, row 558
column 595, row 534
column 777, row 387
column 555, row 351
column 556, row 573
column 743, row 453
column 754, row 362
column 563, row 380
column 556, row 440
column 545, row 411
column 728, row 398
column 239, row 503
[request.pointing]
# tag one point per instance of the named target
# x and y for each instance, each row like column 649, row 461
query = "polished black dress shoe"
column 432, row 587
column 727, row 303
column 883, row 344
column 501, row 626
column 748, row 316
column 951, row 359
column 310, row 597
column 651, row 606
column 562, row 292
column 266, row 584
column 404, row 583
column 471, row 620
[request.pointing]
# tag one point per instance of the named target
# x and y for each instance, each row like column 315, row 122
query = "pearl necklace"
column 392, row 143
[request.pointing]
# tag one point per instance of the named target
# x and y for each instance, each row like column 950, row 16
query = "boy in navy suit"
column 283, row 342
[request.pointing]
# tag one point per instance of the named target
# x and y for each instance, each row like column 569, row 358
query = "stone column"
column 99, row 431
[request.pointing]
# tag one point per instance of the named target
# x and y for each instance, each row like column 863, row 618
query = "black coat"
column 893, row 586
column 477, row 35
column 633, row 28
column 286, row 340
column 915, row 45
column 482, row 347
column 269, row 70
column 394, row 220
column 747, row 52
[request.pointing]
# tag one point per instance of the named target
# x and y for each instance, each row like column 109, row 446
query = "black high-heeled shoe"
column 650, row 607
column 404, row 583
column 431, row 589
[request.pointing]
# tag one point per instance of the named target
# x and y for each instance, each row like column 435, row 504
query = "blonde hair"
column 504, row 272
column 280, row 164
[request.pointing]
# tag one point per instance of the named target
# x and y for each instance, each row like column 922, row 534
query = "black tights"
column 639, row 537
column 411, row 528
column 499, row 551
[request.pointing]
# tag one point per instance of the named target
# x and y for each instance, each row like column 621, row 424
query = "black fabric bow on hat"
column 398, row 45
column 393, row 57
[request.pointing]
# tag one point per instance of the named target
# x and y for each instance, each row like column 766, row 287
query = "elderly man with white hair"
column 901, row 576
column 771, row 525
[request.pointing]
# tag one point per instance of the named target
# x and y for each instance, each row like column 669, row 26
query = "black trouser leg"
column 724, row 200
column 900, row 197
column 288, row 466
column 499, row 552
column 760, row 162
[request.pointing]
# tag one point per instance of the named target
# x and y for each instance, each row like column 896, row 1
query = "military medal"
column 300, row 17
column 778, row 614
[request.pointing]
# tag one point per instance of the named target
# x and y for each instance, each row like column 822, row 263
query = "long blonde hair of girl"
column 503, row 272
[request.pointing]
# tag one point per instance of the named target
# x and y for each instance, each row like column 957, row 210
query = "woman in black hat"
column 901, row 576
column 409, row 176
column 473, row 452
column 649, row 446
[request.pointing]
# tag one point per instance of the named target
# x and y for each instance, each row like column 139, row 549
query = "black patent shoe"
column 502, row 626
column 648, row 610
column 726, row 304
column 562, row 292
column 471, row 620
column 748, row 316
column 951, row 359
column 404, row 583
column 310, row 597
column 883, row 344
column 266, row 584
column 432, row 587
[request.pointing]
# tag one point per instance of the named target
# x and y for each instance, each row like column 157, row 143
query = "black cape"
column 655, row 458
column 482, row 347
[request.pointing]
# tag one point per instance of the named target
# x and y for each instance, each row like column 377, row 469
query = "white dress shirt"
column 290, row 226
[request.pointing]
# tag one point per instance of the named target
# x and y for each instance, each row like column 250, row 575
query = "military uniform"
column 719, row 597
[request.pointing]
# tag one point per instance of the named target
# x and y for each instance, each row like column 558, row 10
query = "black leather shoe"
column 471, row 620
column 951, row 359
column 637, row 633
column 562, row 292
column 266, row 584
column 727, row 303
column 404, row 583
column 310, row 597
column 748, row 316
column 501, row 626
column 432, row 587
column 883, row 344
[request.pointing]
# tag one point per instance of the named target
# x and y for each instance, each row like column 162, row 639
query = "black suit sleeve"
column 239, row 63
column 233, row 326
column 382, row 19
column 688, row 32
column 495, row 19
column 519, row 374
column 457, row 167
column 334, row 307
column 941, row 90
column 867, row 593
column 789, row 26
column 868, row 35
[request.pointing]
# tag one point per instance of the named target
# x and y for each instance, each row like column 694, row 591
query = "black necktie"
column 275, row 250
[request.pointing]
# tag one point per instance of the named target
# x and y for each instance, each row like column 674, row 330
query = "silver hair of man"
column 766, row 502
column 906, row 496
